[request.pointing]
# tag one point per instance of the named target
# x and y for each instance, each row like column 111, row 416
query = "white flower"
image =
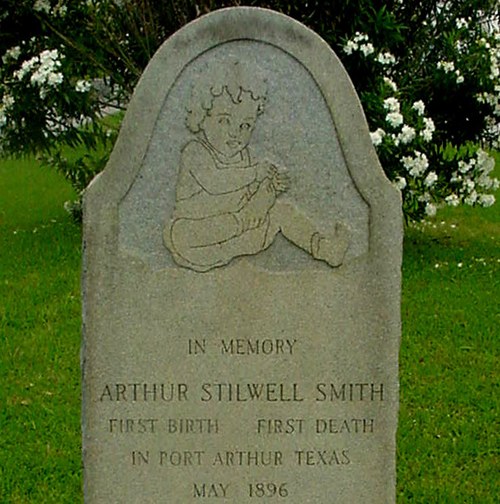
column 495, row 70
column 83, row 86
column 392, row 104
column 394, row 119
column 452, row 200
column 350, row 47
column 42, row 6
column 430, row 209
column 485, row 162
column 461, row 23
column 431, row 179
column 400, row 183
column 460, row 77
column 367, row 49
column 391, row 83
column 419, row 106
column 471, row 198
column 26, row 67
column 54, row 79
column 38, row 78
column 14, row 52
column 486, row 182
column 8, row 101
column 406, row 136
column 447, row 66
column 486, row 200
column 468, row 185
column 62, row 10
column 461, row 46
column 386, row 58
column 464, row 167
column 44, row 68
column 417, row 165
column 489, row 98
column 427, row 134
column 428, row 130
column 361, row 37
column 11, row 54
column 425, row 198
column 49, row 55
column 354, row 44
column 377, row 136
column 3, row 117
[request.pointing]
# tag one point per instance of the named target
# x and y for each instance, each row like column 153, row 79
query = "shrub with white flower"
column 432, row 169
column 426, row 72
column 48, row 101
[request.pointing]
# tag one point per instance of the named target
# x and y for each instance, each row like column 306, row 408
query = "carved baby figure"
column 228, row 204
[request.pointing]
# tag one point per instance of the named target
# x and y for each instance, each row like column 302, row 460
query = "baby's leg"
column 202, row 245
column 301, row 230
column 197, row 241
column 204, row 232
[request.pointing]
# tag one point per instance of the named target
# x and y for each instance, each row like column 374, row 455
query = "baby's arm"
column 198, row 160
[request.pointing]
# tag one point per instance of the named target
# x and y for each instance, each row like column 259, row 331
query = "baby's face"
column 229, row 126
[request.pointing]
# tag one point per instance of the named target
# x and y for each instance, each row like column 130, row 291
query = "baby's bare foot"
column 331, row 248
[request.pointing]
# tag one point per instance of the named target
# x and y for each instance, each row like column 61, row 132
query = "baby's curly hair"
column 235, row 80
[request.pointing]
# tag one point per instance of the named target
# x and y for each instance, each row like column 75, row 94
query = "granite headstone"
column 242, row 255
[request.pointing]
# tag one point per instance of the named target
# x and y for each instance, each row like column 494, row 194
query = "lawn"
column 39, row 339
column 448, row 435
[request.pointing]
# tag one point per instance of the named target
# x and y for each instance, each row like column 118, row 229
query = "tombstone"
column 242, row 256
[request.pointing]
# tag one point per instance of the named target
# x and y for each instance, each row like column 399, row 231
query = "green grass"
column 448, row 430
column 39, row 338
column 447, row 440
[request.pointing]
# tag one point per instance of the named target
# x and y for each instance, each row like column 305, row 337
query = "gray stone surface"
column 241, row 280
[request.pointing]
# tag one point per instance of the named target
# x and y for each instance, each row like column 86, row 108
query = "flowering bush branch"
column 429, row 165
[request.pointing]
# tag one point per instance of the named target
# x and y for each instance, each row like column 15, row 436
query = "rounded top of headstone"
column 310, row 122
